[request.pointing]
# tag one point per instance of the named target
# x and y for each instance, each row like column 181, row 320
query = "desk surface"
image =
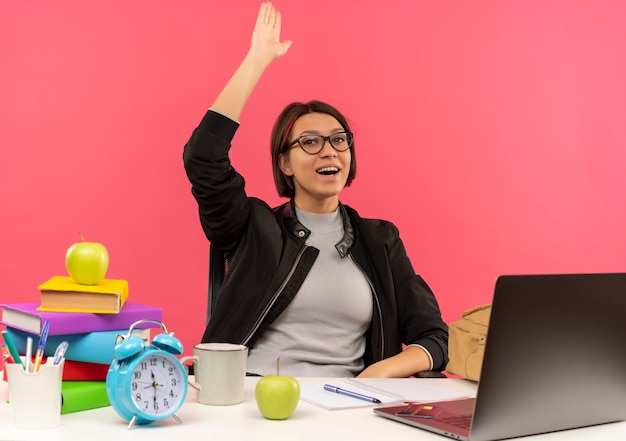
column 244, row 422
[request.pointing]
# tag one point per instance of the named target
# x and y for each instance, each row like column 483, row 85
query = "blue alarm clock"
column 146, row 382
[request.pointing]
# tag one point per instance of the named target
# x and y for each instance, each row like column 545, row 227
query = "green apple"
column 87, row 262
column 277, row 396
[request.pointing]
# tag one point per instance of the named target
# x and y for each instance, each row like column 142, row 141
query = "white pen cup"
column 219, row 372
column 35, row 397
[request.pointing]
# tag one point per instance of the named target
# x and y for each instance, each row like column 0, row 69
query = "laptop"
column 555, row 359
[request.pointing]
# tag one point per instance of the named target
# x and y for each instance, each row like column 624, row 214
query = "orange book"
column 62, row 294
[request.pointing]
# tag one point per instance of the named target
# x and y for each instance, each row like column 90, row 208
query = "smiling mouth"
column 328, row 171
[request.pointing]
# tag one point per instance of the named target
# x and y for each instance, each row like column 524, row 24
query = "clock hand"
column 154, row 382
column 149, row 383
column 154, row 385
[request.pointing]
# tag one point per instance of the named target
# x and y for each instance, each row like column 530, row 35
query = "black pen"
column 349, row 393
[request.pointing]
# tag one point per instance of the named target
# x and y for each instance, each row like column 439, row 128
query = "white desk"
column 244, row 422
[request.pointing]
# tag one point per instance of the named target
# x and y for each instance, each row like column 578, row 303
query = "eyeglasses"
column 313, row 144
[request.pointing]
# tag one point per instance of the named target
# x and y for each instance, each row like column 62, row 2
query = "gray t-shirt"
column 322, row 332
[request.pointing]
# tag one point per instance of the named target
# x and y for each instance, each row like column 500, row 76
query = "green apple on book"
column 277, row 395
column 87, row 262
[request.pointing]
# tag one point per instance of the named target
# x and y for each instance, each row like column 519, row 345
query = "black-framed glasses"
column 313, row 144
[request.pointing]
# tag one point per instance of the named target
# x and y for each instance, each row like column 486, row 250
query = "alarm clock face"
column 158, row 384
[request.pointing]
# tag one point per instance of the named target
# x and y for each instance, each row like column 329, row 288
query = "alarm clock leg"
column 132, row 422
column 176, row 418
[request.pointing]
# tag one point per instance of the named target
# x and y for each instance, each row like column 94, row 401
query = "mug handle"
column 195, row 359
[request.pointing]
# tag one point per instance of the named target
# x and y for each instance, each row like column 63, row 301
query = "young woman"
column 331, row 293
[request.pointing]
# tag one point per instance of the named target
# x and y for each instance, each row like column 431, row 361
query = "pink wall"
column 492, row 133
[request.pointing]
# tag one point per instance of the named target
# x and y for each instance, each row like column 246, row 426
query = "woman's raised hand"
column 265, row 47
column 266, row 35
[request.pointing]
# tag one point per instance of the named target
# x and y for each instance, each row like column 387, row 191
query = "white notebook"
column 387, row 390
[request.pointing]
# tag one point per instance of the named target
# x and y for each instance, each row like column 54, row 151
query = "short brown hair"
column 280, row 140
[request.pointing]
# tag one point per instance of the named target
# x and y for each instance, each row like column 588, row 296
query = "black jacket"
column 269, row 259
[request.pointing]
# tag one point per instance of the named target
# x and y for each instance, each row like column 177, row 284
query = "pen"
column 59, row 353
column 9, row 342
column 349, row 393
column 41, row 346
column 28, row 359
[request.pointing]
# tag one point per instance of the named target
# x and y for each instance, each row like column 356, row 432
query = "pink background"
column 491, row 132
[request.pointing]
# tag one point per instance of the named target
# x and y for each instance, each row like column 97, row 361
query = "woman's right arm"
column 265, row 47
column 216, row 186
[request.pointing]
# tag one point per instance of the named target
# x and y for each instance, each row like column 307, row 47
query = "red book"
column 26, row 317
column 84, row 371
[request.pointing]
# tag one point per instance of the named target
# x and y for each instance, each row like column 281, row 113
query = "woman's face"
column 318, row 178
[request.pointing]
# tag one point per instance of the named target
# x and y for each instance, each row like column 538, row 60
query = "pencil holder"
column 35, row 397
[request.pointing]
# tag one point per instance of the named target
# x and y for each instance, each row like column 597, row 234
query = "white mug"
column 219, row 372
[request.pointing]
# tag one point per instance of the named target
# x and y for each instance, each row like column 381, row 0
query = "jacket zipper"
column 380, row 315
column 275, row 296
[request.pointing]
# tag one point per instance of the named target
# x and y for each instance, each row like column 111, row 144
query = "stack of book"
column 89, row 318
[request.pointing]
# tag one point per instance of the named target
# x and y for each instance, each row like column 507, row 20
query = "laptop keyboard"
column 462, row 421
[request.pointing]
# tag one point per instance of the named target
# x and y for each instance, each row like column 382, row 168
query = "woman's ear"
column 285, row 166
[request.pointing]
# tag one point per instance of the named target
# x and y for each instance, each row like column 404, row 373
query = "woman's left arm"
column 411, row 360
column 419, row 320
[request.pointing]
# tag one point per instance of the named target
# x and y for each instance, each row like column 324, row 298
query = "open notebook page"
column 387, row 390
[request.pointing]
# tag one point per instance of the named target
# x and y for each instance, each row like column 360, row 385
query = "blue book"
column 92, row 347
